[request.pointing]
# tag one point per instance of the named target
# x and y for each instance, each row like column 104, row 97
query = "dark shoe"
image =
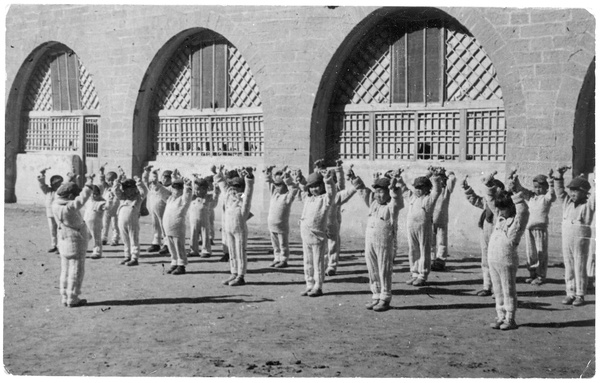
column 193, row 254
column 305, row 292
column 579, row 301
column 205, row 255
column 173, row 268
column 509, row 325
column 496, row 325
column 238, row 281
column 164, row 250
column 114, row 243
column 179, row 270
column 272, row 264
column 330, row 272
column 411, row 280
column 231, row 278
column 438, row 264
column 315, row 293
column 96, row 256
column 281, row 265
column 104, row 242
column 81, row 302
column 153, row 249
column 133, row 262
column 224, row 258
column 538, row 281
column 212, row 242
column 372, row 304
column 419, row 282
column 124, row 262
column 53, row 249
column 568, row 300
column 382, row 306
column 484, row 293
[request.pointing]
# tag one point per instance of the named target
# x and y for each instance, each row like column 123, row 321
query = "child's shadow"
column 576, row 323
column 172, row 301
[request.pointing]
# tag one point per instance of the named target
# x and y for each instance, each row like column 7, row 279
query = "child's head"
column 278, row 182
column 211, row 182
column 96, row 193
column 111, row 177
column 130, row 190
column 177, row 187
column 422, row 186
column 498, row 184
column 166, row 177
column 201, row 187
column 315, row 184
column 540, row 184
column 68, row 191
column 55, row 182
column 382, row 190
column 579, row 189
column 504, row 204
column 237, row 184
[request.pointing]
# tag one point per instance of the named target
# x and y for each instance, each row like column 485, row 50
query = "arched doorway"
column 584, row 128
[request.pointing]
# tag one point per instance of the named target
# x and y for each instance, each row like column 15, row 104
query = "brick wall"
column 541, row 56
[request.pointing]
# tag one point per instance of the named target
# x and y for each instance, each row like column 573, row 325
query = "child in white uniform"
column 72, row 239
column 199, row 213
column 156, row 208
column 94, row 213
column 110, row 215
column 578, row 206
column 440, row 221
column 49, row 194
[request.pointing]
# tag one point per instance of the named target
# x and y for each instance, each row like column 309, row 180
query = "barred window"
column 418, row 90
column 207, row 103
column 60, row 99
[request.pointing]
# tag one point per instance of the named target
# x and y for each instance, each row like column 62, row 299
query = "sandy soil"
column 143, row 322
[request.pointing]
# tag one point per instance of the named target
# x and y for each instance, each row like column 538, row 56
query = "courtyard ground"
column 141, row 321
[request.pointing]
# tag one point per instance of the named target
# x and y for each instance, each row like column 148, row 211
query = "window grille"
column 239, row 135
column 207, row 102
column 53, row 133
column 90, row 131
column 422, row 90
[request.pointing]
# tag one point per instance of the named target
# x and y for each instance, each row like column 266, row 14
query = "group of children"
column 508, row 213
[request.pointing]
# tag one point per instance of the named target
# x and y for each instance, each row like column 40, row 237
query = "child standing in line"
column 384, row 202
column 578, row 206
column 178, row 199
column 72, row 239
column 318, row 195
column 49, row 194
column 131, row 193
column 215, row 193
column 421, row 203
column 539, row 202
column 486, row 224
column 156, row 208
column 440, row 221
column 199, row 215
column 227, row 174
column 511, row 214
column 237, row 200
column 107, row 182
column 283, row 192
column 94, row 212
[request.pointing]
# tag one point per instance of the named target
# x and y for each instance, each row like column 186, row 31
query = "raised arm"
column 42, row 181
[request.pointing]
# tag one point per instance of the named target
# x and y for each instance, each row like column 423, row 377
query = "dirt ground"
column 141, row 321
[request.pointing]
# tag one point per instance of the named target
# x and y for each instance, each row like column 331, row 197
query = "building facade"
column 471, row 89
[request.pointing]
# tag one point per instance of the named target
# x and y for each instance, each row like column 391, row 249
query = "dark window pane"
column 415, row 66
column 220, row 75
column 433, row 64
column 399, row 70
column 207, row 76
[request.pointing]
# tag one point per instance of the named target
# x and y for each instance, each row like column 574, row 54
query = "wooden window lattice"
column 89, row 97
column 90, row 131
column 39, row 89
column 243, row 91
column 438, row 135
column 53, row 134
column 486, row 135
column 394, row 135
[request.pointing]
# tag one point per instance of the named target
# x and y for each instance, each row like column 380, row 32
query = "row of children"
column 503, row 222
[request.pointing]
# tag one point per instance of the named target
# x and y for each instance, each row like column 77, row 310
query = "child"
column 539, row 202
column 107, row 182
column 512, row 214
column 318, row 195
column 199, row 215
column 384, row 202
column 177, row 200
column 156, row 208
column 440, row 221
column 421, row 203
column 578, row 206
column 233, row 173
column 94, row 213
column 49, row 194
column 283, row 192
column 130, row 192
column 72, row 239
column 237, row 199
column 486, row 224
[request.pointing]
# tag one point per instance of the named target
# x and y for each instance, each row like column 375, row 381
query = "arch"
column 584, row 126
column 52, row 92
column 175, row 84
column 391, row 27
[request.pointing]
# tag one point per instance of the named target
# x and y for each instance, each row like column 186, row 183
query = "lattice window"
column 353, row 136
column 39, row 90
column 394, row 135
column 486, row 135
column 90, row 132
column 174, row 91
column 243, row 91
column 89, row 97
column 470, row 73
column 53, row 133
column 239, row 135
column 438, row 135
